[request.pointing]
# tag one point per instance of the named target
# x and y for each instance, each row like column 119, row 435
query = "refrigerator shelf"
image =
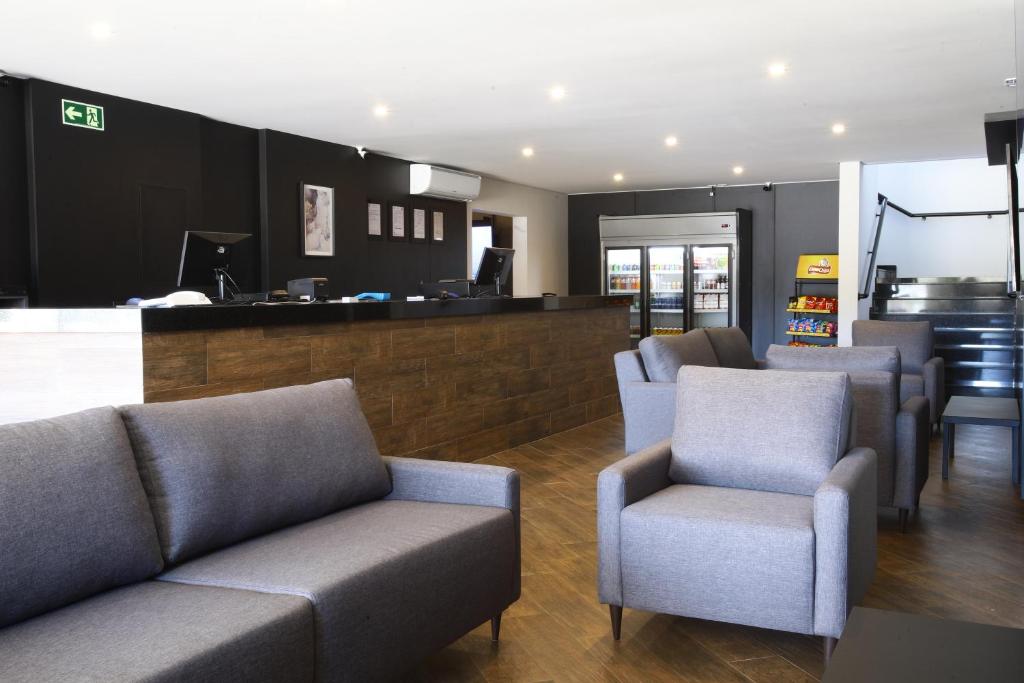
column 711, row 270
column 623, row 291
column 668, row 310
column 711, row 310
column 711, row 291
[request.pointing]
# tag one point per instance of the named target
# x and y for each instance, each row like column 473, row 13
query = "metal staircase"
column 974, row 328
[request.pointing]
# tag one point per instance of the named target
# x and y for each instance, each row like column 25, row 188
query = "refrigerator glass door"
column 711, row 277
column 624, row 275
column 666, row 273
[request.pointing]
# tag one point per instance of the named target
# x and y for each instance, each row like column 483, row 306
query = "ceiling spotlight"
column 838, row 128
column 556, row 92
column 381, row 111
column 737, row 170
column 777, row 69
column 100, row 30
column 671, row 141
column 527, row 151
column 618, row 177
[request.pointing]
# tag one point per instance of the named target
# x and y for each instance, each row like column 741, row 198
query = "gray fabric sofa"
column 250, row 537
column 647, row 376
column 733, row 519
column 922, row 373
column 896, row 429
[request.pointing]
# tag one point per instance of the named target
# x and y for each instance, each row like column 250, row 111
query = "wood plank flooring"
column 962, row 558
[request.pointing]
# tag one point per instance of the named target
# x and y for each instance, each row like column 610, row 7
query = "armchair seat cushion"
column 910, row 386
column 733, row 555
column 163, row 632
column 389, row 581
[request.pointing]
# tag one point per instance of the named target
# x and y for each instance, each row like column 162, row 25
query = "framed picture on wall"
column 437, row 226
column 375, row 220
column 419, row 225
column 397, row 229
column 317, row 219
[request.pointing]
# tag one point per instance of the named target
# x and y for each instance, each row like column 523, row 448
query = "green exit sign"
column 82, row 115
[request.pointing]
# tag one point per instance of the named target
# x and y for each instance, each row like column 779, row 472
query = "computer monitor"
column 494, row 269
column 206, row 257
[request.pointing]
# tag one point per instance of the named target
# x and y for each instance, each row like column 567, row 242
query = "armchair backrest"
column 767, row 431
column 915, row 340
column 664, row 354
column 842, row 359
column 732, row 348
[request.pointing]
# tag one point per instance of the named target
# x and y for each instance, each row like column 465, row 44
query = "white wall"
column 541, row 241
column 943, row 247
column 851, row 255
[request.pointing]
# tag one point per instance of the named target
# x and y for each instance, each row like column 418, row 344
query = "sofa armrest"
column 649, row 413
column 911, row 462
column 631, row 479
column 934, row 372
column 845, row 539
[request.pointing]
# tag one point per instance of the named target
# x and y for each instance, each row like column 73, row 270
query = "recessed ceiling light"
column 100, row 30
column 556, row 92
column 737, row 170
column 671, row 141
column 381, row 111
column 838, row 128
column 777, row 69
column 527, row 151
column 618, row 177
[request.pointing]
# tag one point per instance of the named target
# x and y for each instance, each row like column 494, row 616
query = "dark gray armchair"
column 755, row 512
column 923, row 373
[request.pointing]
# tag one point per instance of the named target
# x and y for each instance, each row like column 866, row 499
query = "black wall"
column 90, row 218
column 791, row 219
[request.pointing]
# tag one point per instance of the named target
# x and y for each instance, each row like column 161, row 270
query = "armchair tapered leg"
column 616, row 614
column 830, row 646
column 495, row 627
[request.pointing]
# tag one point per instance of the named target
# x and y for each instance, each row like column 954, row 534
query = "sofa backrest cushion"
column 732, row 348
column 915, row 340
column 220, row 470
column 766, row 431
column 664, row 354
column 74, row 520
column 841, row 359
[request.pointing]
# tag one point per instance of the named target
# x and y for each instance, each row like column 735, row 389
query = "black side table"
column 981, row 410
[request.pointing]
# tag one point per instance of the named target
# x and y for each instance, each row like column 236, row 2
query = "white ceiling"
column 467, row 80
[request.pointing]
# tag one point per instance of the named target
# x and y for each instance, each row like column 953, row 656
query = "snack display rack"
column 815, row 323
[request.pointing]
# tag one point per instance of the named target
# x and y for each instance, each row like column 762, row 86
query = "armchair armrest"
column 911, row 462
column 934, row 372
column 845, row 539
column 434, row 481
column 649, row 412
column 631, row 479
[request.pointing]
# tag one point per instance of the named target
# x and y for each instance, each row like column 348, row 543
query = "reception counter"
column 456, row 379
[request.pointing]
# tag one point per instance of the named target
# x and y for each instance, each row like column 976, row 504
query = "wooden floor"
column 962, row 558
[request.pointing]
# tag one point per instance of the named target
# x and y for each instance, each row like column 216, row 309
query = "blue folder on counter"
column 374, row 296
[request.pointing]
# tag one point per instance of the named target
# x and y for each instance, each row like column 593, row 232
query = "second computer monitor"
column 495, row 266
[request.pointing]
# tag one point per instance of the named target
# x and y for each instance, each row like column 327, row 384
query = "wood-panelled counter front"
column 453, row 380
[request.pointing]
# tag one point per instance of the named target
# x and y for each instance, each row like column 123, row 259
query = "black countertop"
column 223, row 316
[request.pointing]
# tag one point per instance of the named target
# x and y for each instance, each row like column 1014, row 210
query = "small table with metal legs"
column 981, row 410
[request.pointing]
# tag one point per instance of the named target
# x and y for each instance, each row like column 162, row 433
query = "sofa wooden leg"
column 830, row 646
column 616, row 614
column 904, row 514
column 495, row 627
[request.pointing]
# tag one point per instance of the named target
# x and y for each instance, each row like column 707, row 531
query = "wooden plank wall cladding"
column 454, row 388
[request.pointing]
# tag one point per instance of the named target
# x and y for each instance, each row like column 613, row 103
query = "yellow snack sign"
column 818, row 267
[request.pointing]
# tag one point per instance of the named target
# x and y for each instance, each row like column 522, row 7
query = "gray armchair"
column 754, row 512
column 896, row 429
column 647, row 377
column 923, row 373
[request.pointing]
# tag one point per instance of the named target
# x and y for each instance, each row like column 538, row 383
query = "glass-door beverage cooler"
column 684, row 271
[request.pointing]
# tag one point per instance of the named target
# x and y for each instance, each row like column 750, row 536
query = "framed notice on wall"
column 397, row 231
column 437, row 227
column 375, row 220
column 317, row 219
column 419, row 225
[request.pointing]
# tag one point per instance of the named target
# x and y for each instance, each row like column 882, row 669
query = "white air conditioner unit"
column 443, row 183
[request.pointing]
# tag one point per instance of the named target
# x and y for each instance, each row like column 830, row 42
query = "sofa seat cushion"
column 745, row 557
column 664, row 355
column 910, row 386
column 390, row 581
column 74, row 519
column 732, row 348
column 157, row 631
column 221, row 470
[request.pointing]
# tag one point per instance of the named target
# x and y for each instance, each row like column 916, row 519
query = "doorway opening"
column 491, row 230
